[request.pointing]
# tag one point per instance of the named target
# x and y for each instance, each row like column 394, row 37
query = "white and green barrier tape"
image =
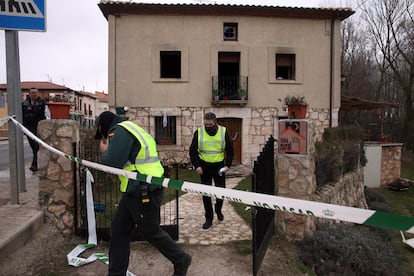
column 72, row 257
column 296, row 206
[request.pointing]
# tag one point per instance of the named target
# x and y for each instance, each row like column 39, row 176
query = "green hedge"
column 340, row 152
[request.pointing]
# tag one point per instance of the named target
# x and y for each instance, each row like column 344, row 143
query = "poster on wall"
column 293, row 137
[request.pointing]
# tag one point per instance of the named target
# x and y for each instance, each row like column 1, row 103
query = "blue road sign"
column 25, row 15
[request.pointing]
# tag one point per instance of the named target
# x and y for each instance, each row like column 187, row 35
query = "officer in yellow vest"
column 211, row 154
column 126, row 145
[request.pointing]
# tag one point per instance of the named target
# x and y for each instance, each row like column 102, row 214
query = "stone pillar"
column 390, row 163
column 56, row 185
column 296, row 179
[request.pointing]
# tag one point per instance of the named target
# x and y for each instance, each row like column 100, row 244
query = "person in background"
column 126, row 145
column 211, row 154
column 33, row 112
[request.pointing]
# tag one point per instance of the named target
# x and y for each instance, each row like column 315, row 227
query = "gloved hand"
column 223, row 170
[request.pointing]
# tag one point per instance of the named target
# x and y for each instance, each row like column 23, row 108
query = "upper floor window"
column 170, row 64
column 285, row 66
column 230, row 31
column 165, row 130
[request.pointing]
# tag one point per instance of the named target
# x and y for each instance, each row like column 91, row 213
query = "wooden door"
column 234, row 129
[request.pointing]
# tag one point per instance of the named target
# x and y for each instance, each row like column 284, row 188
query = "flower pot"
column 59, row 110
column 297, row 111
column 384, row 139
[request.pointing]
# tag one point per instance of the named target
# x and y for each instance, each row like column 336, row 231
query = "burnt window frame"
column 234, row 25
column 170, row 65
column 285, row 72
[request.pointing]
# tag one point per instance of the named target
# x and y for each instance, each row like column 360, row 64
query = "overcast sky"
column 74, row 49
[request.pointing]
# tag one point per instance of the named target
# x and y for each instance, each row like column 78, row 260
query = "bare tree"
column 358, row 64
column 390, row 26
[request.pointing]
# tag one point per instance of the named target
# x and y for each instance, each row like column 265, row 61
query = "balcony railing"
column 229, row 90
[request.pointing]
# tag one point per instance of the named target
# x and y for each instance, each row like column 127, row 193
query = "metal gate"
column 106, row 196
column 263, row 181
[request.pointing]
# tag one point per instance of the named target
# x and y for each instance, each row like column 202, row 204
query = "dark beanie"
column 104, row 121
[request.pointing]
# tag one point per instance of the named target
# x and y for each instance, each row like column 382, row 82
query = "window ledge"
column 229, row 102
column 166, row 80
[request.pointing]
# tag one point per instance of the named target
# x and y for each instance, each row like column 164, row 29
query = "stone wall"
column 56, row 194
column 390, row 163
column 296, row 179
column 348, row 191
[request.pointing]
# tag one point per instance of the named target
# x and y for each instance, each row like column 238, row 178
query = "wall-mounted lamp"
column 120, row 110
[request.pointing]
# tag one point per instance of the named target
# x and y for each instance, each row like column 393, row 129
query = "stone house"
column 87, row 106
column 171, row 63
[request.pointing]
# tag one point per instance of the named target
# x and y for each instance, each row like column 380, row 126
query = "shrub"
column 327, row 165
column 340, row 152
column 295, row 100
column 345, row 249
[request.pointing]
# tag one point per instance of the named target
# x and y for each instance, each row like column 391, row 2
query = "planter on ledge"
column 297, row 111
column 59, row 110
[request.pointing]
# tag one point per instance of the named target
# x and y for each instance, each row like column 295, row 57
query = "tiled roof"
column 41, row 85
column 87, row 94
column 128, row 7
column 101, row 96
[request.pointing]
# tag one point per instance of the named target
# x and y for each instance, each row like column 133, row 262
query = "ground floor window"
column 165, row 130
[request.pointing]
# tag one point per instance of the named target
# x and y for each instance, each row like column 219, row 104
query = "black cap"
column 104, row 121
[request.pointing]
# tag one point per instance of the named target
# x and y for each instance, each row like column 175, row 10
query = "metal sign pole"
column 16, row 154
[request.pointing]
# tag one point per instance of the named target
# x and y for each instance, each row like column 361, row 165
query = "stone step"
column 18, row 227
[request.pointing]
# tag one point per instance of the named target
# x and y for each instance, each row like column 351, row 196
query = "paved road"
column 4, row 153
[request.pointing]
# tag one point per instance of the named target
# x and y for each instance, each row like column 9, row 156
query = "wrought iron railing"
column 229, row 88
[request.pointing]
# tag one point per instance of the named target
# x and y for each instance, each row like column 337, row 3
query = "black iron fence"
column 106, row 197
column 263, row 181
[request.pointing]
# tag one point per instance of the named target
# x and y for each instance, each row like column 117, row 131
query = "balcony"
column 229, row 90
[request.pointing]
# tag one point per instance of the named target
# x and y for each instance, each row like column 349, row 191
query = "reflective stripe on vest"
column 146, row 161
column 211, row 148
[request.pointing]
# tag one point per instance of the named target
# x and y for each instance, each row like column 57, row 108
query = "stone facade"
column 56, row 194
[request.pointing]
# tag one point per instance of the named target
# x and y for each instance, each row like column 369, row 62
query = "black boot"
column 180, row 269
column 207, row 224
column 33, row 167
column 217, row 208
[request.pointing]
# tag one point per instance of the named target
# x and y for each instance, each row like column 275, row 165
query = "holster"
column 139, row 190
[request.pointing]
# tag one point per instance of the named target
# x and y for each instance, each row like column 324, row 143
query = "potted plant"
column 216, row 94
column 297, row 106
column 241, row 93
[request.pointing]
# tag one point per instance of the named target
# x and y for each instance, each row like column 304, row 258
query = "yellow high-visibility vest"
column 211, row 148
column 147, row 161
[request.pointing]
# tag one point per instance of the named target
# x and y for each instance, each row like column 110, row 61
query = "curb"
column 24, row 233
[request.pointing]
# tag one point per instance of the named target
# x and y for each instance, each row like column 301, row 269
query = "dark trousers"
column 210, row 173
column 130, row 212
column 35, row 148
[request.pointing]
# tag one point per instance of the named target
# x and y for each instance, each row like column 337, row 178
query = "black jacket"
column 33, row 113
